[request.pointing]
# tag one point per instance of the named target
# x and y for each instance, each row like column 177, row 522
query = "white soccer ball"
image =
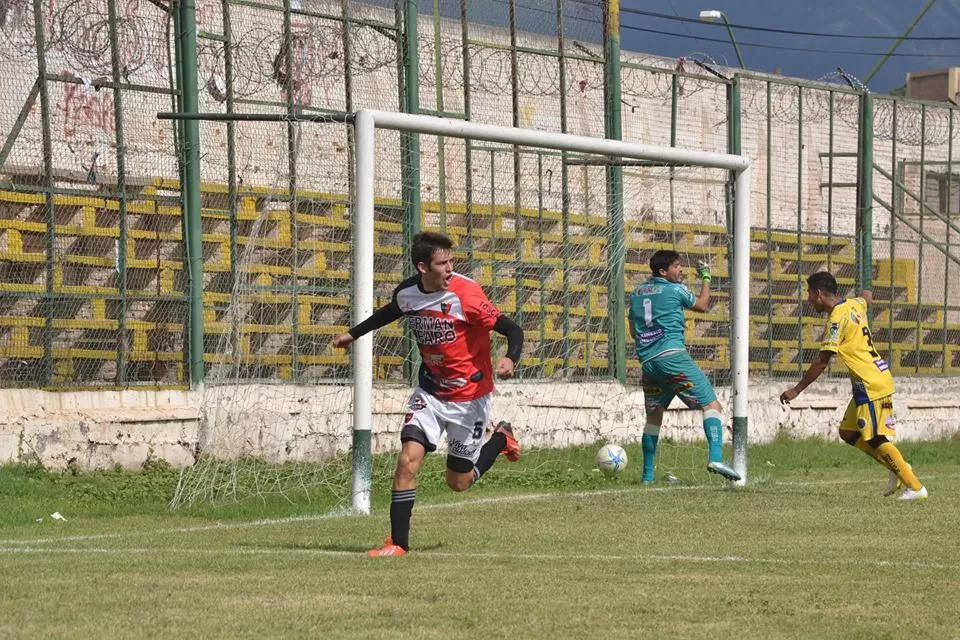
column 611, row 459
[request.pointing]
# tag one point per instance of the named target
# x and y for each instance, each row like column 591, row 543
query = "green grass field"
column 542, row 549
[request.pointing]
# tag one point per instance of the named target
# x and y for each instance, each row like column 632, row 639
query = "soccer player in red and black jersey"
column 451, row 318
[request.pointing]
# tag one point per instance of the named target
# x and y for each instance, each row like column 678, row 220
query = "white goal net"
column 557, row 229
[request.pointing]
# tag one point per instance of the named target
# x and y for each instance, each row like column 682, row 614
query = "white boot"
column 910, row 494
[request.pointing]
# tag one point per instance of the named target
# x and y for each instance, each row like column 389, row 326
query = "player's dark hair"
column 823, row 281
column 425, row 243
column 662, row 259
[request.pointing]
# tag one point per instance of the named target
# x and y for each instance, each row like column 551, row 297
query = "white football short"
column 464, row 423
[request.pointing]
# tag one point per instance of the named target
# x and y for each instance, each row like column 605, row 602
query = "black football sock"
column 488, row 454
column 401, row 507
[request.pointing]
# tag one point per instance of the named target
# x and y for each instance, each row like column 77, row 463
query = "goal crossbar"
column 366, row 122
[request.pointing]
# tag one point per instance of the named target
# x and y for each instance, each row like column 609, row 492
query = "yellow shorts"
column 875, row 418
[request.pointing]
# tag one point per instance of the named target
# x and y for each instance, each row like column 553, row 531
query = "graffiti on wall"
column 85, row 109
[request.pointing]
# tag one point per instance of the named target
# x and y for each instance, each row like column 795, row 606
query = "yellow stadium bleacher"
column 294, row 268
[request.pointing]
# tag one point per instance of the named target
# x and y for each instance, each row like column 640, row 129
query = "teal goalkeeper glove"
column 703, row 271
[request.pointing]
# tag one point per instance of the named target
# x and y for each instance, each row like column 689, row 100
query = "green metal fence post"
column 191, row 184
column 232, row 181
column 865, row 197
column 411, row 141
column 467, row 144
column 830, row 131
column 410, row 150
column 51, row 217
column 616, row 243
column 177, row 74
column 438, row 80
column 674, row 107
column 518, row 217
column 946, row 263
column 769, row 204
column 293, row 169
column 801, row 290
column 564, row 189
column 541, row 272
column 896, row 210
column 122, row 188
column 922, row 200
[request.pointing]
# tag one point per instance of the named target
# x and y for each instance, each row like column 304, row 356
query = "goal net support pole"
column 366, row 122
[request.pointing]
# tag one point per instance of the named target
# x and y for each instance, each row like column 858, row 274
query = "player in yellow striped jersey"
column 869, row 422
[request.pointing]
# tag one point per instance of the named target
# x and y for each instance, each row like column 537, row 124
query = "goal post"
column 364, row 135
column 366, row 122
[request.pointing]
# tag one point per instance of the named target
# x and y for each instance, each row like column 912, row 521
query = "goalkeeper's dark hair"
column 424, row 245
column 662, row 259
column 824, row 281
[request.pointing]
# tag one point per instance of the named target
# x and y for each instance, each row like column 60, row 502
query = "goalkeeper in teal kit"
column 658, row 329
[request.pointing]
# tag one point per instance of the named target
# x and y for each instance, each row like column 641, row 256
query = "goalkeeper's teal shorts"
column 675, row 375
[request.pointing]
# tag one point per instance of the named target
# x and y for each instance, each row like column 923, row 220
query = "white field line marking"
column 878, row 482
column 343, row 513
column 527, row 497
column 535, row 557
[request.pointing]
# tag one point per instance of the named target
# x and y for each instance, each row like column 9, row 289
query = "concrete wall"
column 284, row 422
column 98, row 429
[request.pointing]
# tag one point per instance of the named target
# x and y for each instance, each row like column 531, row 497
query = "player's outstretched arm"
column 380, row 318
column 514, row 335
column 813, row 372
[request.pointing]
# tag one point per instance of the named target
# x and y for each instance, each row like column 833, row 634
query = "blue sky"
column 846, row 17
column 820, row 57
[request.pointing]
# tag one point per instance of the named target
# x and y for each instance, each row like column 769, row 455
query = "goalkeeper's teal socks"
column 648, row 444
column 713, row 428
